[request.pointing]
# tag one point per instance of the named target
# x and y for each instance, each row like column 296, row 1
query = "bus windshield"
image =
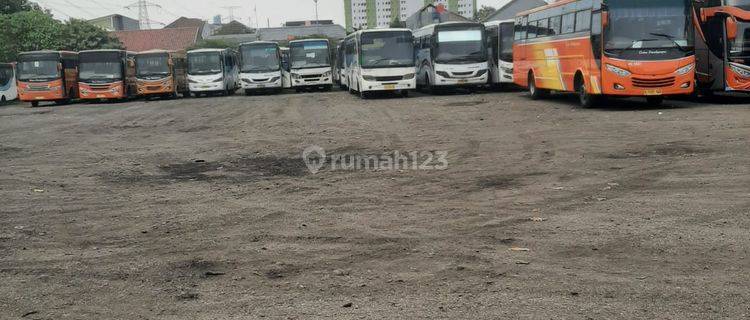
column 739, row 48
column 464, row 45
column 260, row 58
column 387, row 49
column 100, row 66
column 309, row 54
column 152, row 65
column 506, row 42
column 6, row 74
column 202, row 63
column 648, row 24
column 40, row 70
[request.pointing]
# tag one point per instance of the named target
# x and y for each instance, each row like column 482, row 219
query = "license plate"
column 206, row 87
column 462, row 81
column 39, row 98
column 655, row 92
column 390, row 87
column 261, row 86
column 100, row 96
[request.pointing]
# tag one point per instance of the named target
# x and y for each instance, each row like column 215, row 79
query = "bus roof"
column 208, row 50
column 498, row 22
column 383, row 30
column 258, row 42
column 430, row 28
column 551, row 5
column 47, row 51
column 307, row 40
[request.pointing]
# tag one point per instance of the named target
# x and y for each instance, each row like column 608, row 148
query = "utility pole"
column 143, row 19
column 230, row 10
column 316, row 11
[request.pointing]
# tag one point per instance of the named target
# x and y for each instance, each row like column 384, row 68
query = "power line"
column 143, row 18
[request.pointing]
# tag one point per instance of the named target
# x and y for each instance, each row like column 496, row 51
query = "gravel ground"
column 204, row 209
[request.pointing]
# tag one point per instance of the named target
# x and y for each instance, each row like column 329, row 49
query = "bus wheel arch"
column 535, row 92
column 585, row 98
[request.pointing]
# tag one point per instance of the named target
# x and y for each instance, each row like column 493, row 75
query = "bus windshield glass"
column 648, row 24
column 387, row 49
column 260, row 58
column 309, row 54
column 506, row 42
column 203, row 63
column 100, row 66
column 6, row 74
column 152, row 65
column 461, row 45
column 739, row 48
column 38, row 70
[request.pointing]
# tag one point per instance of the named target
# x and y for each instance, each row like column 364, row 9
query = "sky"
column 273, row 12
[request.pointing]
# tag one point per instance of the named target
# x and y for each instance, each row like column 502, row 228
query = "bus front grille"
column 653, row 83
column 38, row 88
column 391, row 78
column 310, row 76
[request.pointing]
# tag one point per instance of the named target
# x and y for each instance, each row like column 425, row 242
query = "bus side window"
column 583, row 20
column 568, row 23
column 596, row 35
column 555, row 25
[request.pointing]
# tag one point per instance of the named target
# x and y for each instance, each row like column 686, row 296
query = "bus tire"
column 584, row 98
column 34, row 104
column 248, row 92
column 534, row 91
column 404, row 93
column 2, row 100
column 655, row 101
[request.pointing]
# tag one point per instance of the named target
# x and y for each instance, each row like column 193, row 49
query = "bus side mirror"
column 605, row 19
column 59, row 67
column 131, row 64
column 731, row 28
column 170, row 62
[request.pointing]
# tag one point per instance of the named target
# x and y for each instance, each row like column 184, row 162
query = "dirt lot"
column 203, row 209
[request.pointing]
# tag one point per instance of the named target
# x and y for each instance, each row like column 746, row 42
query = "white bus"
column 451, row 54
column 500, row 51
column 260, row 66
column 380, row 60
column 212, row 71
column 8, row 90
column 310, row 64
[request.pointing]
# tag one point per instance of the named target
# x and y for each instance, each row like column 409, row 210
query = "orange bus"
column 106, row 75
column 47, row 76
column 161, row 73
column 596, row 48
column 722, row 42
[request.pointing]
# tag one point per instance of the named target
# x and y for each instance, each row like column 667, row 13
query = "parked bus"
column 213, row 71
column 8, row 89
column 451, row 54
column 338, row 65
column 261, row 66
column 722, row 41
column 641, row 48
column 349, row 54
column 161, row 73
column 383, row 61
column 500, row 51
column 47, row 76
column 310, row 64
column 107, row 74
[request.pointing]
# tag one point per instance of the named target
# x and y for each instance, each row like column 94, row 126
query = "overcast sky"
column 277, row 11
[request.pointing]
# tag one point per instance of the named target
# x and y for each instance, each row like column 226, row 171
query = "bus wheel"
column 327, row 88
column 404, row 93
column 248, row 92
column 2, row 100
column 34, row 104
column 655, row 101
column 585, row 99
column 534, row 91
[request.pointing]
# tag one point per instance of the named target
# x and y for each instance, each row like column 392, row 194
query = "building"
column 171, row 39
column 431, row 14
column 369, row 14
column 307, row 23
column 513, row 7
column 116, row 22
column 205, row 29
column 281, row 34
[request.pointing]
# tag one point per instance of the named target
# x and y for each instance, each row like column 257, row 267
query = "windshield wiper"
column 671, row 38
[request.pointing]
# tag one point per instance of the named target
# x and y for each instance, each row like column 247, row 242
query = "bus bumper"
column 159, row 87
column 101, row 91
column 469, row 81
column 273, row 83
column 410, row 84
column 207, row 87
column 50, row 91
column 648, row 78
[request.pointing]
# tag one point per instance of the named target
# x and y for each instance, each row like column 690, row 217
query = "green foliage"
column 213, row 44
column 397, row 23
column 13, row 6
column 28, row 31
column 483, row 13
column 36, row 30
column 80, row 35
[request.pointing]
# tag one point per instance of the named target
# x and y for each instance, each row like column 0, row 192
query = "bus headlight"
column 684, row 70
column 618, row 71
column 219, row 80
column 368, row 78
column 192, row 81
column 443, row 74
column 274, row 79
column 326, row 74
column 409, row 76
column 742, row 71
column 481, row 72
column 295, row 76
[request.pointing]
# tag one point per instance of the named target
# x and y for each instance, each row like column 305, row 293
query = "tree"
column 28, row 31
column 483, row 13
column 13, row 6
column 79, row 35
column 397, row 23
